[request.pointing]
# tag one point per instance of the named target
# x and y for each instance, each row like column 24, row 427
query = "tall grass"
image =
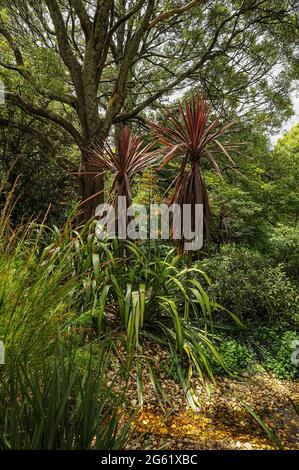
column 50, row 398
column 59, row 404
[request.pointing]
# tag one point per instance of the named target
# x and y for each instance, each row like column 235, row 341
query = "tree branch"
column 20, row 68
column 170, row 86
column 47, row 114
column 118, row 95
column 127, row 16
column 13, row 45
column 65, row 49
column 174, row 12
column 69, row 60
column 101, row 23
column 86, row 23
column 61, row 98
column 208, row 55
column 43, row 138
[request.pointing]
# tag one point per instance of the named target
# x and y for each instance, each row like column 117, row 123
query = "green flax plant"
column 162, row 300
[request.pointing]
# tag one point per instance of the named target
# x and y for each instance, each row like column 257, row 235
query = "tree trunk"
column 91, row 187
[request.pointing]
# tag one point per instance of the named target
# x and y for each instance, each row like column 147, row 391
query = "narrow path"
column 222, row 423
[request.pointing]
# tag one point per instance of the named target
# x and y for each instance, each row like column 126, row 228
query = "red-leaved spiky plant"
column 192, row 137
column 129, row 158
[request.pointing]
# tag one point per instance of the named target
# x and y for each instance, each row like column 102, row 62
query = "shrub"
column 236, row 357
column 43, row 185
column 113, row 288
column 273, row 350
column 283, row 244
column 37, row 292
column 76, row 281
column 161, row 299
column 250, row 285
column 256, row 350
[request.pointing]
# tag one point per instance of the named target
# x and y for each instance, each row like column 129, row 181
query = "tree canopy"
column 84, row 66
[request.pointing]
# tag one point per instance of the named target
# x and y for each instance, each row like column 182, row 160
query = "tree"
column 131, row 158
column 88, row 65
column 194, row 138
column 41, row 183
column 281, row 175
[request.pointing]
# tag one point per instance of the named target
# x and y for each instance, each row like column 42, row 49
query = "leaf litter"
column 220, row 422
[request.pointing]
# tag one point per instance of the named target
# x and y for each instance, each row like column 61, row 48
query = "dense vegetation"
column 76, row 72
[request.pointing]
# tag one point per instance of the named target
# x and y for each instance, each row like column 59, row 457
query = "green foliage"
column 283, row 244
column 44, row 186
column 37, row 292
column 244, row 215
column 160, row 299
column 58, row 405
column 69, row 280
column 262, row 195
column 53, row 394
column 253, row 287
column 279, row 192
column 59, row 280
column 235, row 355
column 273, row 349
column 256, row 350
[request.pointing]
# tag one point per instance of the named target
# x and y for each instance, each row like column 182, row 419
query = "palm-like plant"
column 194, row 138
column 130, row 157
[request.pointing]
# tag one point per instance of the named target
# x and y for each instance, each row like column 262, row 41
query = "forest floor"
column 221, row 421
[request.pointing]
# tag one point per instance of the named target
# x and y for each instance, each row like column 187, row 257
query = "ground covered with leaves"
column 166, row 421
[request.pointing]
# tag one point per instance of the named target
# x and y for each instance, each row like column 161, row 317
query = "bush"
column 158, row 298
column 236, row 357
column 43, row 185
column 273, row 350
column 257, row 350
column 250, row 285
column 283, row 244
column 37, row 293
column 74, row 281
